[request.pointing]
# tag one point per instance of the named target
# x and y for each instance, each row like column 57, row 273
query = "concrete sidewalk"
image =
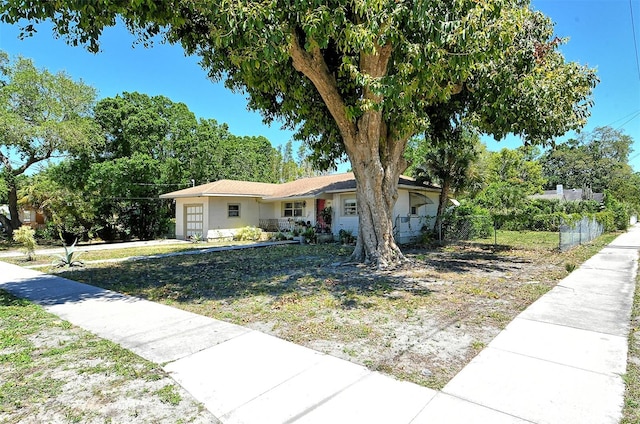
column 560, row 361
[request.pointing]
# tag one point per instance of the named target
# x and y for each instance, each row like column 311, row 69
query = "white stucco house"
column 227, row 205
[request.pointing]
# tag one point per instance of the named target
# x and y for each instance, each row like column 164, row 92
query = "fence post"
column 559, row 234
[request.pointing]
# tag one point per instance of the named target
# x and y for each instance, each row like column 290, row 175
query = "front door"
column 319, row 206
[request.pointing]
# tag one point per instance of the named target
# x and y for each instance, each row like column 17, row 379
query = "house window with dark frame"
column 233, row 210
column 350, row 207
column 292, row 209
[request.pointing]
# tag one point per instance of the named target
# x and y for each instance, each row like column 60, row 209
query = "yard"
column 420, row 323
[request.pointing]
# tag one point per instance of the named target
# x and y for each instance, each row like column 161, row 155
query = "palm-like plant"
column 68, row 259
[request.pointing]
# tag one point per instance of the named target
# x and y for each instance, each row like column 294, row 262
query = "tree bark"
column 376, row 194
column 374, row 151
column 442, row 204
column 13, row 208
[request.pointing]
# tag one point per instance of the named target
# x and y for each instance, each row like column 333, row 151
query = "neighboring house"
column 223, row 206
column 569, row 195
column 28, row 216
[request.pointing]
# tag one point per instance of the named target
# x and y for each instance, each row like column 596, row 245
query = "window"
column 26, row 217
column 350, row 207
column 294, row 209
column 233, row 210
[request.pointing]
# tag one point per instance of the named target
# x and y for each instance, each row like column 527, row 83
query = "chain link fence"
column 458, row 229
column 465, row 228
column 580, row 232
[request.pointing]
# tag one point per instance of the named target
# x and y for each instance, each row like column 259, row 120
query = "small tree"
column 26, row 236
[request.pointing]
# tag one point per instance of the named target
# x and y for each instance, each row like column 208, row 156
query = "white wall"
column 340, row 220
column 408, row 227
column 218, row 212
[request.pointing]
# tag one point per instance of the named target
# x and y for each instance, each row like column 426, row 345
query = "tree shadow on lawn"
column 276, row 272
column 470, row 258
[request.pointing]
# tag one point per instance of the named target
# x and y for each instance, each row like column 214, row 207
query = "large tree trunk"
column 375, row 151
column 376, row 193
column 13, row 207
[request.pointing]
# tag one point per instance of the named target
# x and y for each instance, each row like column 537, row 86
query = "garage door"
column 193, row 220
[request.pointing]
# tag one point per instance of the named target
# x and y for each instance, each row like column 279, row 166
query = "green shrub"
column 607, row 219
column 26, row 236
column 346, row 236
column 468, row 221
column 279, row 236
column 248, row 234
column 309, row 234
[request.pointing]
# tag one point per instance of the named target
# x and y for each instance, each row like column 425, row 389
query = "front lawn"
column 51, row 371
column 121, row 251
column 422, row 322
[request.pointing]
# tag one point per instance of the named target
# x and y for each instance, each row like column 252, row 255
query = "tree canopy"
column 352, row 77
column 594, row 159
column 42, row 115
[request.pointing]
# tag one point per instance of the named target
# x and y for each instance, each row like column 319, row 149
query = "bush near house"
column 248, row 234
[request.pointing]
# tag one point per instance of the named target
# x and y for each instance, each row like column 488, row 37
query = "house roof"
column 568, row 195
column 224, row 188
column 304, row 187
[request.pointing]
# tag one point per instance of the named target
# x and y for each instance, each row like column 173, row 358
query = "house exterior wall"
column 251, row 210
column 407, row 225
column 218, row 212
column 341, row 219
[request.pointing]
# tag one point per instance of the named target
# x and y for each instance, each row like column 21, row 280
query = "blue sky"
column 600, row 32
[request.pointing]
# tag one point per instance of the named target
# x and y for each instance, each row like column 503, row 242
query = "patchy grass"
column 529, row 240
column 45, row 260
column 51, row 371
column 631, row 412
column 422, row 322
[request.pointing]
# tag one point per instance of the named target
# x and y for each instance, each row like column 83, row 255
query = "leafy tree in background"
column 517, row 168
column 189, row 149
column 125, row 203
column 42, row 115
column 594, row 160
column 287, row 168
column 512, row 175
column 353, row 78
column 170, row 149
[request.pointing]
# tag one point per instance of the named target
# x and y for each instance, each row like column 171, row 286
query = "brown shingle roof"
column 304, row 187
column 225, row 188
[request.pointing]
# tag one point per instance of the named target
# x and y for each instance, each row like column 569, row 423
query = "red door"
column 319, row 207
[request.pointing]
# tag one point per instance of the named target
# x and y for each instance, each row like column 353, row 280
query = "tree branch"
column 313, row 66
